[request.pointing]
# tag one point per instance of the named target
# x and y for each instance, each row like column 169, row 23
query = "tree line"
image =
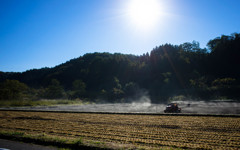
column 168, row 71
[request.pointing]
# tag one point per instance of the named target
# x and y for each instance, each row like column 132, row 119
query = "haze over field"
column 196, row 107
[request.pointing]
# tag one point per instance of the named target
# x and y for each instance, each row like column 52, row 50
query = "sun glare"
column 144, row 13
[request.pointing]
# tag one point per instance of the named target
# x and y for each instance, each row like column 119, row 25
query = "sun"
column 144, row 14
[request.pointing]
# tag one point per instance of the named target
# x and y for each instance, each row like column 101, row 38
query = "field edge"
column 46, row 140
column 71, row 144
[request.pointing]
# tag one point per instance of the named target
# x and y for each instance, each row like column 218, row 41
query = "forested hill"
column 183, row 70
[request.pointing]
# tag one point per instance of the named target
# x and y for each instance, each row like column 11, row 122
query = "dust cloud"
column 144, row 105
column 210, row 107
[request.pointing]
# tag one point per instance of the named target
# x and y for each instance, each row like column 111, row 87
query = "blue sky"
column 46, row 33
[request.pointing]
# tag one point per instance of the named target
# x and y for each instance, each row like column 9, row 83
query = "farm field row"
column 149, row 131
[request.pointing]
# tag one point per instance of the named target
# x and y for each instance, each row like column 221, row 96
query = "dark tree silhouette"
column 167, row 71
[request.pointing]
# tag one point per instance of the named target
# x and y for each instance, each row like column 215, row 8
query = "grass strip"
column 22, row 103
column 46, row 140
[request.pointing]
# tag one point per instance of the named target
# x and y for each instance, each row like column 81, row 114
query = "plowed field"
column 153, row 131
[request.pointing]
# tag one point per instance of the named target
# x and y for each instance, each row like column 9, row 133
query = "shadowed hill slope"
column 169, row 70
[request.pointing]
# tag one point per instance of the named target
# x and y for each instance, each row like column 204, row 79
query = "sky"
column 45, row 33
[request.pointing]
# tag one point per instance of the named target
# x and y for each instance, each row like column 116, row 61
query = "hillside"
column 169, row 71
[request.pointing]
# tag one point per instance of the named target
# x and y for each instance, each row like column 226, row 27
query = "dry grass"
column 147, row 131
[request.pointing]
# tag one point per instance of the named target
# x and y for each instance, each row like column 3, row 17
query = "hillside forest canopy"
column 168, row 72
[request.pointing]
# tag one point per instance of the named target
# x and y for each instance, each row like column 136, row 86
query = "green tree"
column 13, row 90
column 78, row 89
column 224, row 83
column 131, row 89
column 54, row 90
column 224, row 57
column 117, row 91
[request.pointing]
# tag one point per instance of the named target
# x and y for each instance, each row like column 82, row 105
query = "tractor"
column 172, row 108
